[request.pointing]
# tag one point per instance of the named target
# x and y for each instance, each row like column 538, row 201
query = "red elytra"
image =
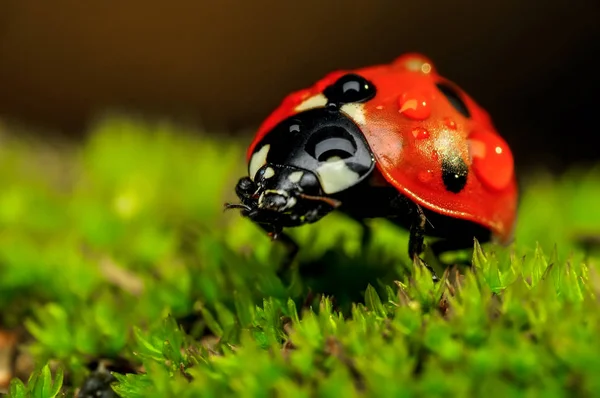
column 409, row 125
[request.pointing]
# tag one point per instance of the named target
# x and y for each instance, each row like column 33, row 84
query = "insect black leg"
column 291, row 247
column 416, row 242
column 292, row 250
column 588, row 242
column 367, row 233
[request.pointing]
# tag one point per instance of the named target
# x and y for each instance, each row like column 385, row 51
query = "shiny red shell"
column 410, row 125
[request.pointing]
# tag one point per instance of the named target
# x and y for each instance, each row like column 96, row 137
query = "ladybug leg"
column 367, row 233
column 416, row 242
column 589, row 242
column 292, row 248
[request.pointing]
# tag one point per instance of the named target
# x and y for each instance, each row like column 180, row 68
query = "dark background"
column 227, row 64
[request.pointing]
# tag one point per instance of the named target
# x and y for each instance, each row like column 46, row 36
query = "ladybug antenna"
column 429, row 222
column 229, row 206
column 331, row 202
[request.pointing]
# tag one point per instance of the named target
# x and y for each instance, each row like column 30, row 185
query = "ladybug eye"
column 454, row 99
column 331, row 142
column 350, row 88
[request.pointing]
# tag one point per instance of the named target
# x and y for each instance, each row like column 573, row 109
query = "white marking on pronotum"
column 296, row 176
column 269, row 172
column 258, row 160
column 335, row 175
column 355, row 111
column 315, row 101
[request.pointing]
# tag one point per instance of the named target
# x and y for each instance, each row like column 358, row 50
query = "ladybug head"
column 300, row 164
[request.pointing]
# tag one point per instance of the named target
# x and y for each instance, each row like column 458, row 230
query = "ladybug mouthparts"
column 276, row 201
column 283, row 196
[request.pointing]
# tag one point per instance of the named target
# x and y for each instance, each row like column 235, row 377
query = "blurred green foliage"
column 39, row 385
column 108, row 247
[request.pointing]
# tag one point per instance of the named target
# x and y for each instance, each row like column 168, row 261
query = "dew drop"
column 420, row 133
column 492, row 160
column 450, row 123
column 414, row 105
column 425, row 176
column 414, row 62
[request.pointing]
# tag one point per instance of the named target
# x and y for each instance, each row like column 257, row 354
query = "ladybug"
column 398, row 141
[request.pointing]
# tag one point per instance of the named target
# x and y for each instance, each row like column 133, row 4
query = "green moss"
column 106, row 248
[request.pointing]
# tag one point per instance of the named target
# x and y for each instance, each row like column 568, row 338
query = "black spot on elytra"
column 349, row 88
column 454, row 173
column 454, row 98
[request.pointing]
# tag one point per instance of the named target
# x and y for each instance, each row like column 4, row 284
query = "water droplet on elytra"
column 414, row 105
column 494, row 167
column 420, row 133
column 425, row 176
column 451, row 124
